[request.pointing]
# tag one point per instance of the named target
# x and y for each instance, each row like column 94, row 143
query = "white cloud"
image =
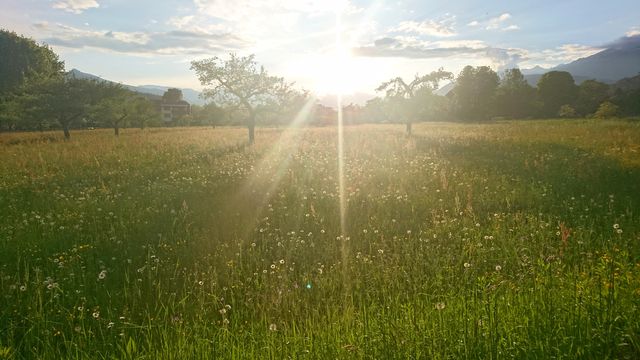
column 499, row 22
column 496, row 22
column 245, row 10
column 176, row 42
column 180, row 22
column 634, row 31
column 560, row 55
column 75, row 6
column 440, row 28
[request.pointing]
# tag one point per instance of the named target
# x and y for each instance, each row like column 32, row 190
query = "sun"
column 337, row 74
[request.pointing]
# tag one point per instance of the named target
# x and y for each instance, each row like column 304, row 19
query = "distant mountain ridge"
column 190, row 95
column 619, row 60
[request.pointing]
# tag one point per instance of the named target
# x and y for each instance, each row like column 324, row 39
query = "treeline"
column 37, row 94
column 480, row 94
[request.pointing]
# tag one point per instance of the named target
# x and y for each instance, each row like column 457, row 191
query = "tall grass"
column 505, row 240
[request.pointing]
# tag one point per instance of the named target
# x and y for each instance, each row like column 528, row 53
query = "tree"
column 144, row 111
column 475, row 91
column 22, row 60
column 63, row 100
column 172, row 95
column 237, row 81
column 375, row 111
column 402, row 98
column 556, row 88
column 606, row 110
column 591, row 94
column 567, row 111
column 114, row 106
column 514, row 96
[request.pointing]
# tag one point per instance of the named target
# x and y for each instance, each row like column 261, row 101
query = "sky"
column 326, row 46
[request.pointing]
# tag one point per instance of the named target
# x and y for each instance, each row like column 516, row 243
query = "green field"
column 488, row 241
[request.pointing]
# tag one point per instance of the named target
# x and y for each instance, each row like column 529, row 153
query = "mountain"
column 190, row 95
column 534, row 70
column 532, row 79
column 620, row 59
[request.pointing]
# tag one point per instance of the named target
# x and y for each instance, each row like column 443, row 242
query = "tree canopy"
column 556, row 88
column 238, row 81
column 474, row 93
column 23, row 59
column 408, row 100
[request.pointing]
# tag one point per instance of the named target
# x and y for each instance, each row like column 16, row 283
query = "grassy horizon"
column 500, row 240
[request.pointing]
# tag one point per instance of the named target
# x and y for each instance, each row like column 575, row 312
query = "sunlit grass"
column 505, row 240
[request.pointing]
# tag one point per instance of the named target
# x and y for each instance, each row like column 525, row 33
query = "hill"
column 619, row 59
column 190, row 95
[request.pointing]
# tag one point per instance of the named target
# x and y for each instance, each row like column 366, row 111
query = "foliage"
column 556, row 88
column 591, row 94
column 567, row 111
column 23, row 60
column 474, row 93
column 65, row 101
column 606, row 110
column 172, row 95
column 237, row 82
column 408, row 101
column 514, row 96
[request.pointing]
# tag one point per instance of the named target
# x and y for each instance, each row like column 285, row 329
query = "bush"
column 606, row 110
column 567, row 111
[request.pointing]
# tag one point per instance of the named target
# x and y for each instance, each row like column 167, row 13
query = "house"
column 171, row 111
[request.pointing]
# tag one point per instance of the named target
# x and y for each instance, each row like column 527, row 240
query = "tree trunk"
column 408, row 128
column 67, row 134
column 252, row 127
column 116, row 129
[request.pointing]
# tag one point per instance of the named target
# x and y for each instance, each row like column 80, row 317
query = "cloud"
column 496, row 23
column 630, row 40
column 75, row 6
column 176, row 42
column 440, row 28
column 414, row 48
column 634, row 31
column 246, row 10
column 511, row 28
column 180, row 22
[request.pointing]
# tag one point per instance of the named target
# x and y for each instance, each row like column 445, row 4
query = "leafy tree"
column 626, row 94
column 591, row 94
column 64, row 101
column 475, row 91
column 23, row 59
column 606, row 110
column 514, row 96
column 172, row 95
column 144, row 112
column 375, row 110
column 556, row 88
column 407, row 100
column 114, row 106
column 239, row 82
column 567, row 111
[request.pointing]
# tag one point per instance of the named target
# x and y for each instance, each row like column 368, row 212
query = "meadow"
column 480, row 241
